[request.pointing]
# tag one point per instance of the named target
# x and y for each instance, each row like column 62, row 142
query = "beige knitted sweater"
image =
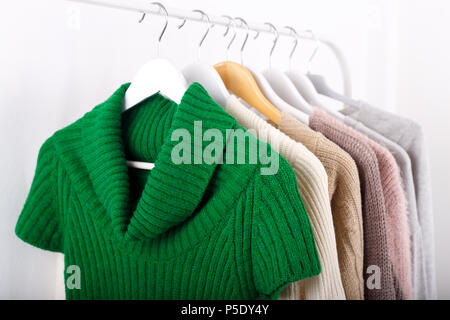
column 313, row 186
column 345, row 196
column 377, row 265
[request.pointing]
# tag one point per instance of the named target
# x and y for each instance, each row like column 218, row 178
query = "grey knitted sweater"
column 409, row 135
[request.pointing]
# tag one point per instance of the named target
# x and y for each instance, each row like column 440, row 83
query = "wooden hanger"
column 241, row 83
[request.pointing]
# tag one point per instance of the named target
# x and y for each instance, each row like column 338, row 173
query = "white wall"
column 423, row 90
column 59, row 59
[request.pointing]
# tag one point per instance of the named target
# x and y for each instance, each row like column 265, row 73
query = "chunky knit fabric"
column 313, row 186
column 396, row 208
column 182, row 231
column 374, row 212
column 409, row 135
column 345, row 198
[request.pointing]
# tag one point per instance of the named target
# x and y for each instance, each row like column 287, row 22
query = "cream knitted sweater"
column 312, row 182
column 345, row 197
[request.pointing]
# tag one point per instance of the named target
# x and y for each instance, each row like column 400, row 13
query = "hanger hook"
column 244, row 23
column 275, row 41
column 166, row 16
column 208, row 22
column 209, row 26
column 228, row 25
column 232, row 24
column 316, row 49
column 182, row 24
column 295, row 35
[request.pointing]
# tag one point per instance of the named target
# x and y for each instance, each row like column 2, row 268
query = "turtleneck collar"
column 172, row 192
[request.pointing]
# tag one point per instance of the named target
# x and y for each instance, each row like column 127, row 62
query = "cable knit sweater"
column 313, row 186
column 190, row 230
column 376, row 252
column 409, row 135
column 396, row 206
column 345, row 197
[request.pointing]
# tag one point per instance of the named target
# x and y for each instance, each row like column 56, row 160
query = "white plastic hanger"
column 322, row 86
column 271, row 95
column 301, row 82
column 205, row 74
column 157, row 75
column 299, row 78
column 306, row 87
column 320, row 83
column 331, row 103
column 267, row 90
column 281, row 83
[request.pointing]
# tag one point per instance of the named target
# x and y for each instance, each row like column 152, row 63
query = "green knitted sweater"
column 186, row 231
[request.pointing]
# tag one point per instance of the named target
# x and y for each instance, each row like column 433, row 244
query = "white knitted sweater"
column 312, row 182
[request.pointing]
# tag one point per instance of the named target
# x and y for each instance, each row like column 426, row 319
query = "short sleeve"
column 283, row 245
column 40, row 222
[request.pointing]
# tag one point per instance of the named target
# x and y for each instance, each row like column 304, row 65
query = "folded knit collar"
column 173, row 191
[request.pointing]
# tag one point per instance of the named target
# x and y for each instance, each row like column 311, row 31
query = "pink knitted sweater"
column 398, row 233
column 376, row 250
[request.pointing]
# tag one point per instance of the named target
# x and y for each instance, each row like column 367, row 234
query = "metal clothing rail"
column 141, row 6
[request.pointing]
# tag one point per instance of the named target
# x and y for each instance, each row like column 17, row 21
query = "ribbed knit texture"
column 345, row 198
column 409, row 135
column 188, row 231
column 313, row 186
column 376, row 252
column 396, row 207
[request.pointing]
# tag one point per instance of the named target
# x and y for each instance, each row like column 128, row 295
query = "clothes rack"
column 145, row 7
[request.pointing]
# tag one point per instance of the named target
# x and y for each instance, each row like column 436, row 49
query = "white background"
column 59, row 59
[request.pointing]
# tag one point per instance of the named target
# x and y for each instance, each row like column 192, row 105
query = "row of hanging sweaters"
column 342, row 212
